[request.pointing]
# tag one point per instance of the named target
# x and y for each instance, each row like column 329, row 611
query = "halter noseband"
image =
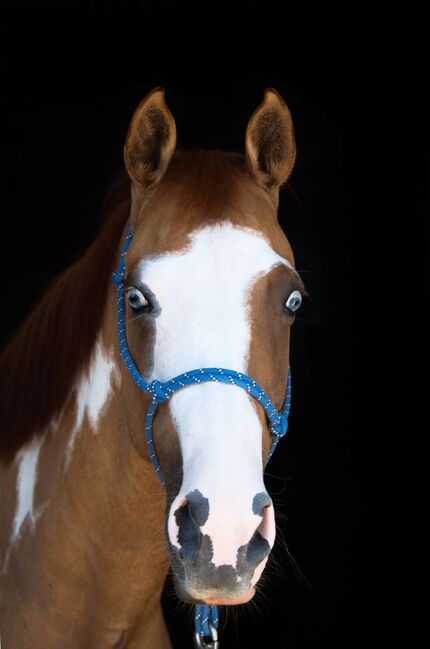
column 206, row 617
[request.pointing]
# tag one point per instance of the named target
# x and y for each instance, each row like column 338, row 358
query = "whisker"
column 278, row 477
column 281, row 544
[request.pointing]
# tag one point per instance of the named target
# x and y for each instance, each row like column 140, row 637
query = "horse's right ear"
column 151, row 139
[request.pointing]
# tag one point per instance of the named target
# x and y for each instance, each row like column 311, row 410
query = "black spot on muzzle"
column 189, row 518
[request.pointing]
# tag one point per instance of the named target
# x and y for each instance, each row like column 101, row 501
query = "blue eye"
column 136, row 298
column 294, row 301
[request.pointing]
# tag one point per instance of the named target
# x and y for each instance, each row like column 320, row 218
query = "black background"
column 348, row 481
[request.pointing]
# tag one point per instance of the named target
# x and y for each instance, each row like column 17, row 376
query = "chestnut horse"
column 86, row 528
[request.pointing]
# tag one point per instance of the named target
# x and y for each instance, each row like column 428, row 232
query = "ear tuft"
column 270, row 143
column 151, row 139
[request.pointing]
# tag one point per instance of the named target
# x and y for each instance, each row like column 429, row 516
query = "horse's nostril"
column 257, row 550
column 266, row 528
column 198, row 507
column 188, row 518
column 261, row 502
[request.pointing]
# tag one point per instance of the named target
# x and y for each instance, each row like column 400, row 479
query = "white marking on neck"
column 28, row 459
column 26, row 482
column 93, row 391
column 203, row 293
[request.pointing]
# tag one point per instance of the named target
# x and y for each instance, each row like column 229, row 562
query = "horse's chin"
column 211, row 596
column 233, row 600
column 184, row 595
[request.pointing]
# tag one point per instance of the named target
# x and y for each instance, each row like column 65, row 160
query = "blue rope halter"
column 206, row 617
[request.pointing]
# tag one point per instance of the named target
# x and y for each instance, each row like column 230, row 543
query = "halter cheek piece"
column 206, row 617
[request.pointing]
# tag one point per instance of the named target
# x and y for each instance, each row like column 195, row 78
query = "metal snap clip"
column 209, row 643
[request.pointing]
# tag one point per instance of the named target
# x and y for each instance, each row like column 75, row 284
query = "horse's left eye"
column 294, row 301
column 136, row 298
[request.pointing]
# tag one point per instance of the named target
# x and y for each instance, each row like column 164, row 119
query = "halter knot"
column 281, row 427
column 159, row 392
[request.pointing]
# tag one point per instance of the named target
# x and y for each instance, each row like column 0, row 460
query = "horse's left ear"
column 270, row 143
column 151, row 139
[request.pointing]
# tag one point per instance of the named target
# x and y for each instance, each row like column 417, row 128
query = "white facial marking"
column 93, row 391
column 204, row 322
column 26, row 482
column 203, row 293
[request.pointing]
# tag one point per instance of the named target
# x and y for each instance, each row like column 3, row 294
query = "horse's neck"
column 93, row 490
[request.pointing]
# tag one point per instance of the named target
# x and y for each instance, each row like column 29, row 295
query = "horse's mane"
column 54, row 344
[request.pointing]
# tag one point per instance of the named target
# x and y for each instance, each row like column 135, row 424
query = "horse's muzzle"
column 198, row 578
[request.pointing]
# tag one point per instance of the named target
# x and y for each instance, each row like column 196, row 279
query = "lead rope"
column 206, row 617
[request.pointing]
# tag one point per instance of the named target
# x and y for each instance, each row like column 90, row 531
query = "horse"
column 88, row 532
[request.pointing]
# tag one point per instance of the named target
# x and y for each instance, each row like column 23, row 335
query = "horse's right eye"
column 136, row 299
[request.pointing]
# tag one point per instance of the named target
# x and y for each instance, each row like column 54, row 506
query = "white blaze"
column 204, row 322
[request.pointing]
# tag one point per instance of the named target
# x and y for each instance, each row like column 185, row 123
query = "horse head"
column 210, row 282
